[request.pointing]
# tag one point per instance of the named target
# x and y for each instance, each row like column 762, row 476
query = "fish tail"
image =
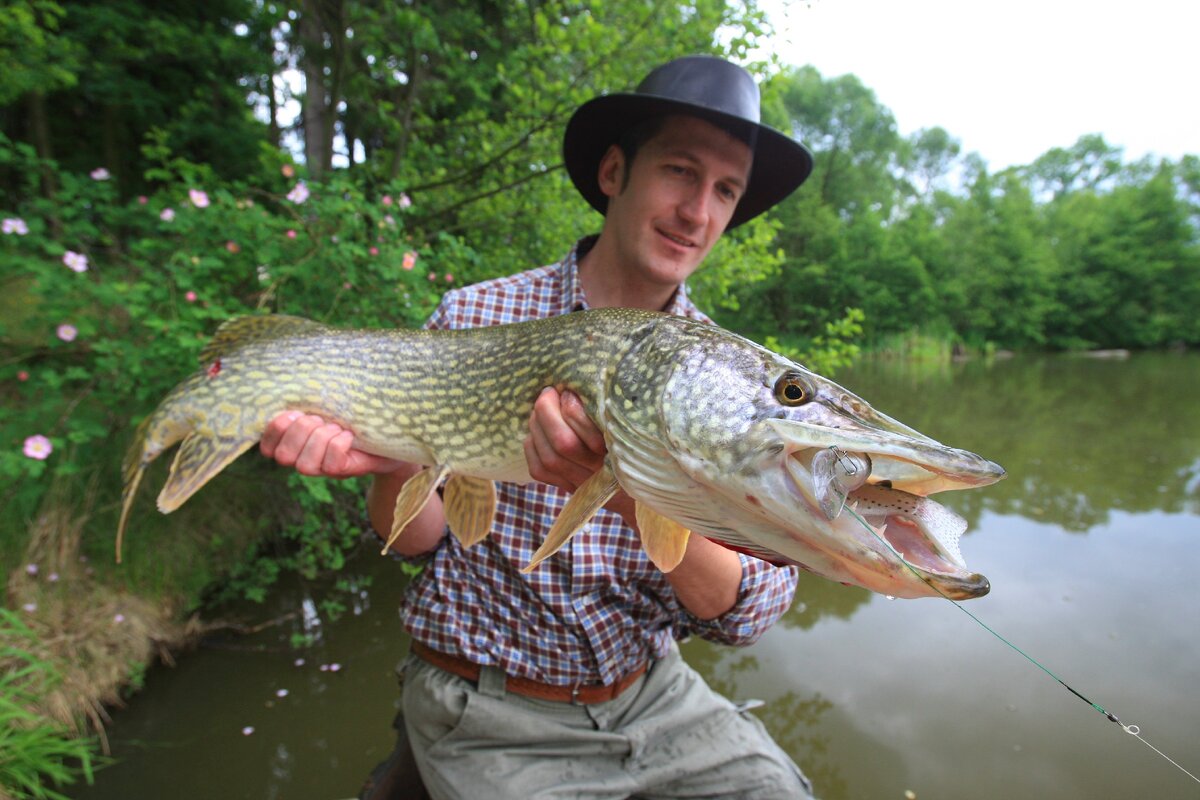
column 202, row 455
column 198, row 416
column 146, row 446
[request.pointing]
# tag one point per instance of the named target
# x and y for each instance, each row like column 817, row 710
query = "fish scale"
column 697, row 431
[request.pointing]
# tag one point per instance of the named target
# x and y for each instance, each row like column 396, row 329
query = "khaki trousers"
column 668, row 736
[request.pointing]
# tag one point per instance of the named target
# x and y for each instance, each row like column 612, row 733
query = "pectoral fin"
column 198, row 459
column 470, row 508
column 663, row 539
column 412, row 498
column 583, row 505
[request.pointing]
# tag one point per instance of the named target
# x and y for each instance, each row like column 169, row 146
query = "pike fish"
column 707, row 431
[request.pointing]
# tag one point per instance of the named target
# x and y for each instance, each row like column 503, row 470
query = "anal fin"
column 470, row 505
column 663, row 539
column 583, row 505
column 412, row 498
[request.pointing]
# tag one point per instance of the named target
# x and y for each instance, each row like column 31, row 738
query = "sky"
column 1011, row 79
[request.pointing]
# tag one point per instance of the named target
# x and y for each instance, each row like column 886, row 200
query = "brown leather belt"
column 586, row 694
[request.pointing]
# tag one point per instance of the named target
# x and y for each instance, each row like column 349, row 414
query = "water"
column 1090, row 545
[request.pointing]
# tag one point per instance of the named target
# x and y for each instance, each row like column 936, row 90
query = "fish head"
column 769, row 458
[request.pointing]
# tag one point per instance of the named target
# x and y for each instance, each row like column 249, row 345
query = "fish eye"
column 790, row 390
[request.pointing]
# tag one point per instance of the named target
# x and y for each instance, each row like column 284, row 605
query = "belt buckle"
column 575, row 693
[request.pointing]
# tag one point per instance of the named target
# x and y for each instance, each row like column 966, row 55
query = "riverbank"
column 81, row 631
column 99, row 636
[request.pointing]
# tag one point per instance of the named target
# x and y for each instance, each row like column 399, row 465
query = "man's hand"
column 564, row 447
column 316, row 447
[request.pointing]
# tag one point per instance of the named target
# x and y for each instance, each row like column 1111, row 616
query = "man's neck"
column 606, row 284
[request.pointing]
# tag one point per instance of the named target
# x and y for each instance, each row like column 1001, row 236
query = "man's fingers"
column 548, row 465
column 290, row 444
column 316, row 447
column 338, row 458
column 275, row 430
column 576, row 417
column 313, row 452
column 561, row 437
column 555, row 452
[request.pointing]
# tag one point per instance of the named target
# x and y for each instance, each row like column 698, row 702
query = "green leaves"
column 34, row 56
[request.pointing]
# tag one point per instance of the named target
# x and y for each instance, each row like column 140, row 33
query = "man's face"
column 681, row 192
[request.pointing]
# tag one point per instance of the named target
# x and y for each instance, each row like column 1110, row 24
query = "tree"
column 1088, row 164
column 833, row 229
column 930, row 156
column 1130, row 266
column 174, row 68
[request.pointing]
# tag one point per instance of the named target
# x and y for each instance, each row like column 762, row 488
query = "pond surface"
column 1092, row 546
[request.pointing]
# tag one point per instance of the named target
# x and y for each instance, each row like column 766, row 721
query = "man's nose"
column 696, row 207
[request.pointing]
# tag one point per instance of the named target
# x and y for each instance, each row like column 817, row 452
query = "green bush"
column 107, row 303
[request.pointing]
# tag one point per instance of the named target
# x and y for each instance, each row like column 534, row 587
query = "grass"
column 914, row 346
column 37, row 751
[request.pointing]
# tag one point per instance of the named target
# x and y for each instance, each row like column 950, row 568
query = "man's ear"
column 611, row 172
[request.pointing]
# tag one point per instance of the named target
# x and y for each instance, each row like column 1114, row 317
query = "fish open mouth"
column 914, row 533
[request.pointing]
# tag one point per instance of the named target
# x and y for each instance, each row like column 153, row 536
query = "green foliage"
column 827, row 353
column 93, row 78
column 36, row 753
column 34, row 57
column 88, row 352
column 321, row 525
column 1076, row 250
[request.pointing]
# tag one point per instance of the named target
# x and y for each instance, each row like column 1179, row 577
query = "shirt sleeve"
column 442, row 317
column 765, row 593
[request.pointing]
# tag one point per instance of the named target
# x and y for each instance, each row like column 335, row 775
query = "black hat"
column 700, row 86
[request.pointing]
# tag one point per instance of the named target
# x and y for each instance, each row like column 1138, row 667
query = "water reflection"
column 1079, row 437
column 816, row 599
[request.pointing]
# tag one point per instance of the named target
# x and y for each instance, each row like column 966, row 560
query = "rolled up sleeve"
column 765, row 593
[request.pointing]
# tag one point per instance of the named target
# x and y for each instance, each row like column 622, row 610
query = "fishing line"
column 1132, row 730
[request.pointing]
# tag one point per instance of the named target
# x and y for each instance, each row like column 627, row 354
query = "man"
column 567, row 682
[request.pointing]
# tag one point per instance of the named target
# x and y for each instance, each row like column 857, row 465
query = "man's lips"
column 677, row 239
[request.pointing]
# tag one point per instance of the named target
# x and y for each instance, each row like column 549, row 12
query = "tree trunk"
column 335, row 27
column 273, row 108
column 39, row 133
column 318, row 146
column 416, row 76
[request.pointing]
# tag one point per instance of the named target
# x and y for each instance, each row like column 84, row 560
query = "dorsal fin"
column 240, row 331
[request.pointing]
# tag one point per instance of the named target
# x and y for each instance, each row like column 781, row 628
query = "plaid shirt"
column 596, row 610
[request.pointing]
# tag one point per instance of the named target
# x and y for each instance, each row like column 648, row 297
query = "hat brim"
column 780, row 165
